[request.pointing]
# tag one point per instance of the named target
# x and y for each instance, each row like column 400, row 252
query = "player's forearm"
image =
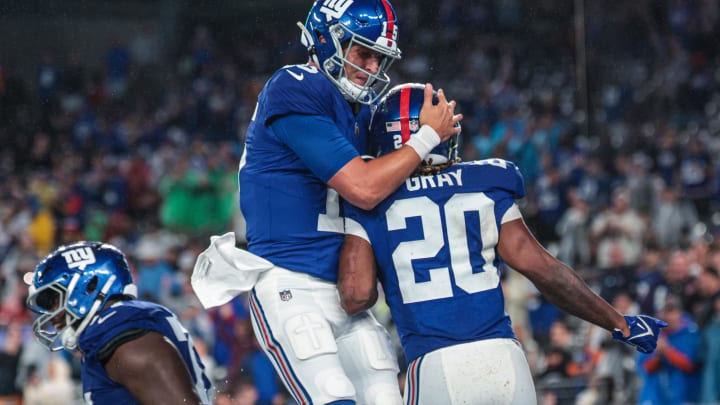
column 366, row 184
column 357, row 279
column 352, row 305
column 566, row 290
column 354, row 298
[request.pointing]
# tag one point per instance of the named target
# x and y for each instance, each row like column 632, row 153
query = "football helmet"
column 397, row 118
column 70, row 285
column 334, row 26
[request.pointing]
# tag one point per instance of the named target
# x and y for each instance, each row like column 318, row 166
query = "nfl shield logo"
column 285, row 295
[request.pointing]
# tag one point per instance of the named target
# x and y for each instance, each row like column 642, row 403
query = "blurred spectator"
column 593, row 183
column 672, row 219
column 20, row 259
column 548, row 196
column 188, row 195
column 73, row 83
column 143, row 198
column 117, row 67
column 554, row 381
column 711, row 356
column 670, row 375
column 667, row 156
column 649, row 277
column 614, row 377
column 233, row 337
column 257, row 365
column 55, row 388
column 618, row 226
column 541, row 314
column 640, row 183
column 47, row 79
column 574, row 230
column 12, row 344
column 679, row 280
column 146, row 46
column 708, row 287
column 155, row 274
column 618, row 277
column 517, row 290
column 696, row 174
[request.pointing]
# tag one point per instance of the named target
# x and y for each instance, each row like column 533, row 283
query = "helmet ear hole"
column 92, row 286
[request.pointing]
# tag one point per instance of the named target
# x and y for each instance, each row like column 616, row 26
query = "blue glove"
column 644, row 332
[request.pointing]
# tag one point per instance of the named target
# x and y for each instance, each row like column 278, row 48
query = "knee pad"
column 309, row 335
column 335, row 385
column 383, row 394
column 368, row 344
column 371, row 363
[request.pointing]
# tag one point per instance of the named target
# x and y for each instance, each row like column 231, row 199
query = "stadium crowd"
column 623, row 180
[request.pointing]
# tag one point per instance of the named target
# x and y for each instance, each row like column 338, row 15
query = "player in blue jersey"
column 134, row 352
column 302, row 154
column 435, row 245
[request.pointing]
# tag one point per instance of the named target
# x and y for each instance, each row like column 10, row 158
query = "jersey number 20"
column 439, row 286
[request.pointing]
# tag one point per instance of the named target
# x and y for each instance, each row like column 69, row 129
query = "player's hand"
column 644, row 332
column 441, row 116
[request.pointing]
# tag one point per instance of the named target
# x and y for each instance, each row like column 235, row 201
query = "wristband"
column 424, row 141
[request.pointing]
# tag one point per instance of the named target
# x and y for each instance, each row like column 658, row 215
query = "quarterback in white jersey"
column 437, row 242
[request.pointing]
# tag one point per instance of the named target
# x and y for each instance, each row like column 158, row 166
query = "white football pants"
column 321, row 353
column 492, row 372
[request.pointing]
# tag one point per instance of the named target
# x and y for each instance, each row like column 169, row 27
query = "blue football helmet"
column 397, row 118
column 71, row 285
column 333, row 26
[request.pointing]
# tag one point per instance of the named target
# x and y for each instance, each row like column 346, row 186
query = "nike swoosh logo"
column 102, row 319
column 297, row 76
column 642, row 325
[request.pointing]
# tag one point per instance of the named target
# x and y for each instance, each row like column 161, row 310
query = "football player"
column 134, row 352
column 438, row 242
column 302, row 153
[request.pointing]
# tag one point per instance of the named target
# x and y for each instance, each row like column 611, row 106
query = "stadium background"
column 123, row 121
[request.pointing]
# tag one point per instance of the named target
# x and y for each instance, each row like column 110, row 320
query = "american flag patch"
column 392, row 126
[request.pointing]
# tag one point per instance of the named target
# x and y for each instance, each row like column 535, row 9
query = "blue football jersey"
column 293, row 218
column 123, row 317
column 434, row 241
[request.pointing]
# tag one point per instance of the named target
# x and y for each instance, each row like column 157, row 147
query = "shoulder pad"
column 498, row 174
column 298, row 89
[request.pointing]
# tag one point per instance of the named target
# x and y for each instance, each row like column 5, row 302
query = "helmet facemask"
column 332, row 29
column 49, row 302
column 334, row 68
column 70, row 286
column 61, row 301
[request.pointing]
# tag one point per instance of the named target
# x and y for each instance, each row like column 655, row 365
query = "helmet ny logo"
column 79, row 258
column 334, row 9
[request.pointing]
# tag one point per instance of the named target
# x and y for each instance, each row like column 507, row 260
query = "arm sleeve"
column 317, row 141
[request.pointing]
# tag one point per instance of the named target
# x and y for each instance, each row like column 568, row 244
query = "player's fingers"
column 428, row 94
column 456, row 122
column 441, row 97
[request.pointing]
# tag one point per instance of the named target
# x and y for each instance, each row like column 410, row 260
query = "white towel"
column 222, row 271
